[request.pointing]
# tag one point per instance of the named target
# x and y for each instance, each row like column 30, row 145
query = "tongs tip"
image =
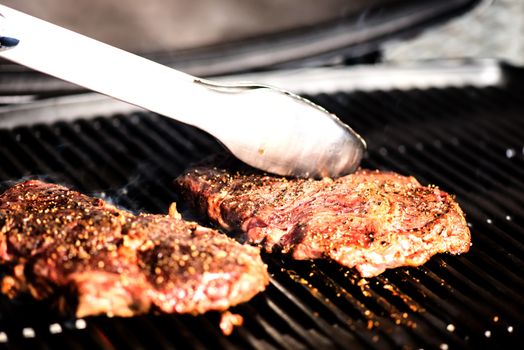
column 298, row 137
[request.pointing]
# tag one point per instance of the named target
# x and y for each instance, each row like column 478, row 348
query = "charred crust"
column 95, row 258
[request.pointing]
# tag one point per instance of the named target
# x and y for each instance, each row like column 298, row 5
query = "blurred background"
column 228, row 38
column 157, row 25
column 494, row 29
column 491, row 29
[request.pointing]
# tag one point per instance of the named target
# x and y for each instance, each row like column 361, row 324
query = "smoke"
column 53, row 178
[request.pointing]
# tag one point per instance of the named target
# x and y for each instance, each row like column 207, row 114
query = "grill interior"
column 469, row 141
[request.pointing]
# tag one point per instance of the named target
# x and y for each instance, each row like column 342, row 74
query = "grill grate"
column 469, row 141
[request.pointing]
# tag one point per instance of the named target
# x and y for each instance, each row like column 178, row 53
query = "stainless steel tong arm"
column 267, row 128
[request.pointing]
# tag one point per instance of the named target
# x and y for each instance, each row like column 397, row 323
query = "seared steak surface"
column 369, row 220
column 97, row 259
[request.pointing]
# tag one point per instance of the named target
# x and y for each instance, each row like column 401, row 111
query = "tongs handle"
column 94, row 65
column 267, row 128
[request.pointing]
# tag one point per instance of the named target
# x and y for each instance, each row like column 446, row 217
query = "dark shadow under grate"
column 469, row 141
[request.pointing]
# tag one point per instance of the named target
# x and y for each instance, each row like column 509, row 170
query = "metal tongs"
column 263, row 126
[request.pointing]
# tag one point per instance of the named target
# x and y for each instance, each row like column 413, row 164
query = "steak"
column 368, row 220
column 93, row 258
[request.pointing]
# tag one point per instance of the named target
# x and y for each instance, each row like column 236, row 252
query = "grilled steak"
column 369, row 220
column 97, row 259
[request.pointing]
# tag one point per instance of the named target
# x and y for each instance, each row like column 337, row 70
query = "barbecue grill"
column 464, row 133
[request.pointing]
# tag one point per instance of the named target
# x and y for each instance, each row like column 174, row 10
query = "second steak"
column 96, row 259
column 369, row 220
